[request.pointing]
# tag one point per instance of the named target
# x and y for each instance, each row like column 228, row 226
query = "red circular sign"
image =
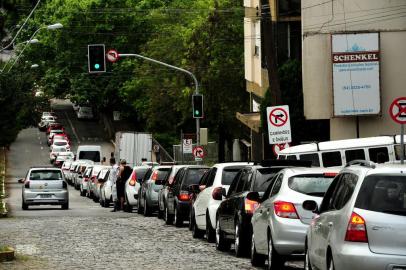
column 278, row 117
column 397, row 110
column 112, row 56
column 277, row 148
column 198, row 152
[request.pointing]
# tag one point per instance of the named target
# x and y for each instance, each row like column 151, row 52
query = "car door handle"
column 260, row 211
column 330, row 224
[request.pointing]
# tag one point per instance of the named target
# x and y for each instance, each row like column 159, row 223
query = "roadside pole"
column 178, row 69
column 397, row 112
column 402, row 143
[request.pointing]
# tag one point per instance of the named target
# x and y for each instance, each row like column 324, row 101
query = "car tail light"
column 285, row 210
column 86, row 179
column 217, row 193
column 154, row 176
column 93, row 179
column 27, row 184
column 356, row 230
column 183, row 196
column 330, row 174
column 133, row 180
column 250, row 206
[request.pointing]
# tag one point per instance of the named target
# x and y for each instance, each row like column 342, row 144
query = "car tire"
column 107, row 203
column 168, row 217
column 240, row 249
column 147, row 210
column 222, row 244
column 82, row 192
column 275, row 261
column 140, row 210
column 177, row 218
column 196, row 232
column 65, row 206
column 101, row 201
column 95, row 199
column 210, row 232
column 330, row 265
column 160, row 214
column 24, row 206
column 128, row 206
column 257, row 260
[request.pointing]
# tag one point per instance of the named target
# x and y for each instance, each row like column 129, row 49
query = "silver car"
column 45, row 186
column 361, row 223
column 280, row 223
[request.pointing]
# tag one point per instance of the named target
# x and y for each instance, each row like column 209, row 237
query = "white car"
column 61, row 157
column 205, row 207
column 106, row 192
column 102, row 177
column 84, row 113
column 132, row 186
column 59, row 143
column 93, row 179
column 84, row 183
column 55, row 151
column 45, row 114
column 65, row 168
column 76, row 180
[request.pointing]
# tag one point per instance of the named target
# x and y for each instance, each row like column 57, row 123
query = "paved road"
column 89, row 236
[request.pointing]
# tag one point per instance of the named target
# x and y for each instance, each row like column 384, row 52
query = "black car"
column 235, row 212
column 178, row 198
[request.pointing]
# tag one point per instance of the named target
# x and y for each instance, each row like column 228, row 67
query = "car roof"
column 312, row 170
column 231, row 164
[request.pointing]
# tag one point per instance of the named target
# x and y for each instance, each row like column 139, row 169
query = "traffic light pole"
column 178, row 69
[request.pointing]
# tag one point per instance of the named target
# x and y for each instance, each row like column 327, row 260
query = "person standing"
column 123, row 174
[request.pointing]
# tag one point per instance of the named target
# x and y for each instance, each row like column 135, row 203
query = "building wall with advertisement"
column 375, row 55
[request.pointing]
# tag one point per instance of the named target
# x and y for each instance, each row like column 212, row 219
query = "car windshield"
column 383, row 193
column 314, row 184
column 45, row 175
column 263, row 178
column 193, row 176
column 229, row 174
column 92, row 155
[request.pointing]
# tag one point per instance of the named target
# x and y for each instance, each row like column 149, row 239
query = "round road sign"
column 277, row 148
column 112, row 56
column 278, row 117
column 397, row 110
column 198, row 152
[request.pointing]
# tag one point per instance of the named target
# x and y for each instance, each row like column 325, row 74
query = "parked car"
column 45, row 186
column 101, row 178
column 150, row 185
column 69, row 173
column 361, row 222
column 61, row 157
column 235, row 211
column 94, row 181
column 84, row 185
column 163, row 193
column 78, row 171
column 280, row 223
column 84, row 113
column 106, row 192
column 203, row 215
column 178, row 202
column 65, row 168
column 132, row 186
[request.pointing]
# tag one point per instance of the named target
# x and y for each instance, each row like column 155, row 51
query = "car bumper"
column 152, row 197
column 357, row 256
column 289, row 236
column 36, row 198
column 183, row 209
column 132, row 195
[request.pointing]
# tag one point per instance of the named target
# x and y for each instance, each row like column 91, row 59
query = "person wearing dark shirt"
column 123, row 174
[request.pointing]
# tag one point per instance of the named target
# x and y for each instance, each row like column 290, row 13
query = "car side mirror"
column 21, row 180
column 253, row 196
column 310, row 205
column 218, row 194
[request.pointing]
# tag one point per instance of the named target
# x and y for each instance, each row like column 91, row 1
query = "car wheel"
column 24, row 206
column 196, row 232
column 307, row 265
column 331, row 263
column 140, row 210
column 82, row 192
column 256, row 259
column 222, row 243
column 239, row 241
column 65, row 206
column 210, row 232
column 95, row 199
column 178, row 219
column 275, row 261
column 147, row 211
column 160, row 213
column 128, row 206
column 106, row 203
column 168, row 217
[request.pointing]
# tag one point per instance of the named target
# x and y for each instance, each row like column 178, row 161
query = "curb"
column 3, row 206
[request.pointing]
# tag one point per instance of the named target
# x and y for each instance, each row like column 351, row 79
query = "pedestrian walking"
column 123, row 174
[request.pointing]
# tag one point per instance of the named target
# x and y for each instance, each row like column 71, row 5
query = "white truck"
column 134, row 147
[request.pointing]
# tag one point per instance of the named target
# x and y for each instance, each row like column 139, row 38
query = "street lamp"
column 32, row 41
column 34, row 66
column 48, row 27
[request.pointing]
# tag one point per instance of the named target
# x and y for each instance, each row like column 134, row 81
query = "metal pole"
column 402, row 143
column 178, row 69
column 181, row 145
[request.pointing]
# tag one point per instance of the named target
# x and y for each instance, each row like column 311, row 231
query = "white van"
column 338, row 153
column 90, row 152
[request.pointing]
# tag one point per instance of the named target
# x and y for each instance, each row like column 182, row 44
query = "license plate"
column 45, row 196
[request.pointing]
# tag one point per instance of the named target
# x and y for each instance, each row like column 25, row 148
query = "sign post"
column 198, row 153
column 279, row 131
column 397, row 112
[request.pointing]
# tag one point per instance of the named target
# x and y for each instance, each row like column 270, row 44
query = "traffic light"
column 197, row 102
column 96, row 58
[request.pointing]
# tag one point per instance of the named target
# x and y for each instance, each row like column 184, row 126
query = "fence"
column 211, row 154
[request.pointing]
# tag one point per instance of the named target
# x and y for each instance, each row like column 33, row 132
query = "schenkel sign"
column 355, row 57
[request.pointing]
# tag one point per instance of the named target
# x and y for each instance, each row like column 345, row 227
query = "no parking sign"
column 279, row 124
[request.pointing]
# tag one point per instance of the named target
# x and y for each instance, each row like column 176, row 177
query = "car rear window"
column 92, row 155
column 163, row 173
column 141, row 173
column 310, row 184
column 229, row 174
column 45, row 175
column 60, row 143
column 383, row 193
column 193, row 176
column 263, row 178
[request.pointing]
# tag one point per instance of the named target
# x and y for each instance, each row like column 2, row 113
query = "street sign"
column 198, row 152
column 279, row 124
column 397, row 110
column 277, row 148
column 112, row 56
column 187, row 146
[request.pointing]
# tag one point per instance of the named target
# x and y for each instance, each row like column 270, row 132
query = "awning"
column 251, row 120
